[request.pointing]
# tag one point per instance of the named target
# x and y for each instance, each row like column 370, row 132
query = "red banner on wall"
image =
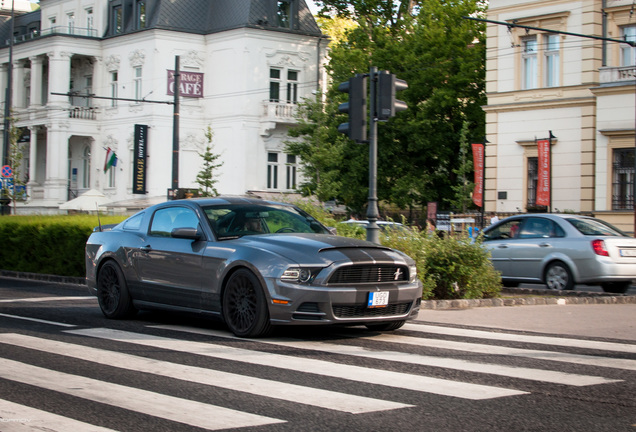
column 478, row 161
column 544, row 181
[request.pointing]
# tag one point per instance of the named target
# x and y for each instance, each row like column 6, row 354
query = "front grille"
column 359, row 274
column 357, row 311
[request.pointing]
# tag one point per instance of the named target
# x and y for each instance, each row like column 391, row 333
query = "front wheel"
column 386, row 326
column 112, row 292
column 244, row 305
column 616, row 287
column 559, row 277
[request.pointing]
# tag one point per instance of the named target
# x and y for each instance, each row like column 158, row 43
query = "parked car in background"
column 385, row 226
column 561, row 250
column 253, row 263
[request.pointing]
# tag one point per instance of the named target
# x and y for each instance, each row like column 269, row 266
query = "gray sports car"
column 254, row 263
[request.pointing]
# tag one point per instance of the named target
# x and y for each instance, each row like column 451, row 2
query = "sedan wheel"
column 244, row 305
column 559, row 277
column 112, row 292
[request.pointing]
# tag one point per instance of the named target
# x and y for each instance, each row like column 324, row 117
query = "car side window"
column 506, row 230
column 166, row 219
column 537, row 227
column 134, row 223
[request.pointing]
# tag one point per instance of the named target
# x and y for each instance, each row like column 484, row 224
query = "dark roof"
column 191, row 16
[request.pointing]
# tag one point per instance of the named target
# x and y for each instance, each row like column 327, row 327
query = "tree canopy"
column 441, row 55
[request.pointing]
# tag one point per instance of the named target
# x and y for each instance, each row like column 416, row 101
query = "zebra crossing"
column 351, row 358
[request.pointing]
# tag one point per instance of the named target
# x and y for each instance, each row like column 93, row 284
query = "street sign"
column 7, row 171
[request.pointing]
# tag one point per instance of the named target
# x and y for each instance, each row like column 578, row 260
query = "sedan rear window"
column 595, row 227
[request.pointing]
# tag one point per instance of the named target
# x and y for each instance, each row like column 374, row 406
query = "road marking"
column 545, row 340
column 20, row 418
column 262, row 387
column 542, row 375
column 185, row 411
column 46, row 299
column 317, row 367
column 37, row 320
column 580, row 359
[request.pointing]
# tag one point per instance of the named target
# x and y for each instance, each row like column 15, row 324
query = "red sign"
column 7, row 171
column 191, row 84
column 478, row 161
column 544, row 181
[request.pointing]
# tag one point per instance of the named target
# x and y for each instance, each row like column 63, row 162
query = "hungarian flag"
column 111, row 159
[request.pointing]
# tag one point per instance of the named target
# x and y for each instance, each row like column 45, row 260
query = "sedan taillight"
column 599, row 248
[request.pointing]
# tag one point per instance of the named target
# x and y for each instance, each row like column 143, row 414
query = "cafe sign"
column 191, row 84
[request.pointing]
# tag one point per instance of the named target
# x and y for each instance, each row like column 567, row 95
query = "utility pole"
column 175, row 126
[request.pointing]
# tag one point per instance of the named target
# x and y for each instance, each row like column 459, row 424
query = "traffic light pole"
column 373, row 231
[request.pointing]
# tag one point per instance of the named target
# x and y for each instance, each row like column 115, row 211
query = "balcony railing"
column 57, row 30
column 279, row 112
column 83, row 113
column 617, row 74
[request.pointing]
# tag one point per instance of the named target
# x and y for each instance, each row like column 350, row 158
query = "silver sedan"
column 562, row 250
column 253, row 263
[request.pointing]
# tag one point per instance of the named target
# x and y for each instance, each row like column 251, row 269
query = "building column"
column 56, row 184
column 36, row 81
column 18, row 84
column 59, row 78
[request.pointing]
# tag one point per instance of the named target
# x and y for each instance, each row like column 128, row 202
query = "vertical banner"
column 139, row 159
column 478, row 161
column 543, row 178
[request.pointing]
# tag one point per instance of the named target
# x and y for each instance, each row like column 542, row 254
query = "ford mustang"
column 255, row 264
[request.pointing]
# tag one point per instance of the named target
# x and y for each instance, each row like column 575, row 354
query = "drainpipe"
column 604, row 29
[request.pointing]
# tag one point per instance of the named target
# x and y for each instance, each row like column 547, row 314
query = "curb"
column 532, row 296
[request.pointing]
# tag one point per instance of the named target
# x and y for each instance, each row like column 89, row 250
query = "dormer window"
column 141, row 14
column 284, row 13
column 118, row 20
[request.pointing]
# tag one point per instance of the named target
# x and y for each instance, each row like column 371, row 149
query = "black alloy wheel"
column 112, row 292
column 244, row 305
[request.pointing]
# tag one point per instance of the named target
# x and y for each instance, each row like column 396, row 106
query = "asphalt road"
column 63, row 367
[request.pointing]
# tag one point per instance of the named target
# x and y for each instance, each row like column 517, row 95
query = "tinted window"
column 167, row 219
column 506, row 230
column 595, row 227
column 237, row 220
column 134, row 222
column 540, row 228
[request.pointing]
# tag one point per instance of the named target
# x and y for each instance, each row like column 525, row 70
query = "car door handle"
column 146, row 248
column 544, row 244
column 503, row 246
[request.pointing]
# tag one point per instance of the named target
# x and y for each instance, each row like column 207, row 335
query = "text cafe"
column 191, row 84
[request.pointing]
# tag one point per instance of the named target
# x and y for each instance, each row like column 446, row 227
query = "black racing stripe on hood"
column 358, row 254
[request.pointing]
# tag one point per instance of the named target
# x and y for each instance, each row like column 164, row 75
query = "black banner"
column 139, row 161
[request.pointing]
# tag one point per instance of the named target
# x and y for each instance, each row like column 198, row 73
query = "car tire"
column 510, row 284
column 112, row 292
column 616, row 287
column 244, row 305
column 387, row 326
column 558, row 276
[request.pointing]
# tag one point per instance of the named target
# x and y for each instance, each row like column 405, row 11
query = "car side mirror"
column 186, row 233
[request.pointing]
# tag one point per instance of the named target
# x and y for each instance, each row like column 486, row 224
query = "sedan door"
column 499, row 240
column 170, row 268
column 538, row 237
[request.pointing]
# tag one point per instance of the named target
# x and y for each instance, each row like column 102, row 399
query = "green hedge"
column 449, row 267
column 47, row 244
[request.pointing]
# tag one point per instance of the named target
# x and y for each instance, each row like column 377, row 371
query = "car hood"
column 324, row 248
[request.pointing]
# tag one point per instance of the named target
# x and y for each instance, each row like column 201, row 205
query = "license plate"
column 628, row 252
column 378, row 299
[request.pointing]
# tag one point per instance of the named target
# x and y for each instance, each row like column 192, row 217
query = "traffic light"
column 356, row 128
column 388, row 105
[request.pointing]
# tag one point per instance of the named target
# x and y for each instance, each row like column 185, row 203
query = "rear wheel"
column 244, row 305
column 112, row 292
column 559, row 277
column 386, row 326
column 616, row 287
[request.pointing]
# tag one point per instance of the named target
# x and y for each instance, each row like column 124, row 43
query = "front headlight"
column 300, row 274
column 412, row 273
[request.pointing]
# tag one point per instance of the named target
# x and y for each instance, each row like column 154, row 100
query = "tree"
column 464, row 187
column 205, row 177
column 442, row 57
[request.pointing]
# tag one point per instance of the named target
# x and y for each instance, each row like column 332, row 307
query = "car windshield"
column 594, row 227
column 238, row 220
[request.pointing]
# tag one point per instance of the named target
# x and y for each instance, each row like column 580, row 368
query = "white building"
column 244, row 65
column 580, row 89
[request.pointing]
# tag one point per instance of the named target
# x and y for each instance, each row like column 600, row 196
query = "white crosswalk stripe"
column 268, row 388
column 343, row 371
column 300, row 358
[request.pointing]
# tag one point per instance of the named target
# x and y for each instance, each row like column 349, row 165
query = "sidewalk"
column 614, row 321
